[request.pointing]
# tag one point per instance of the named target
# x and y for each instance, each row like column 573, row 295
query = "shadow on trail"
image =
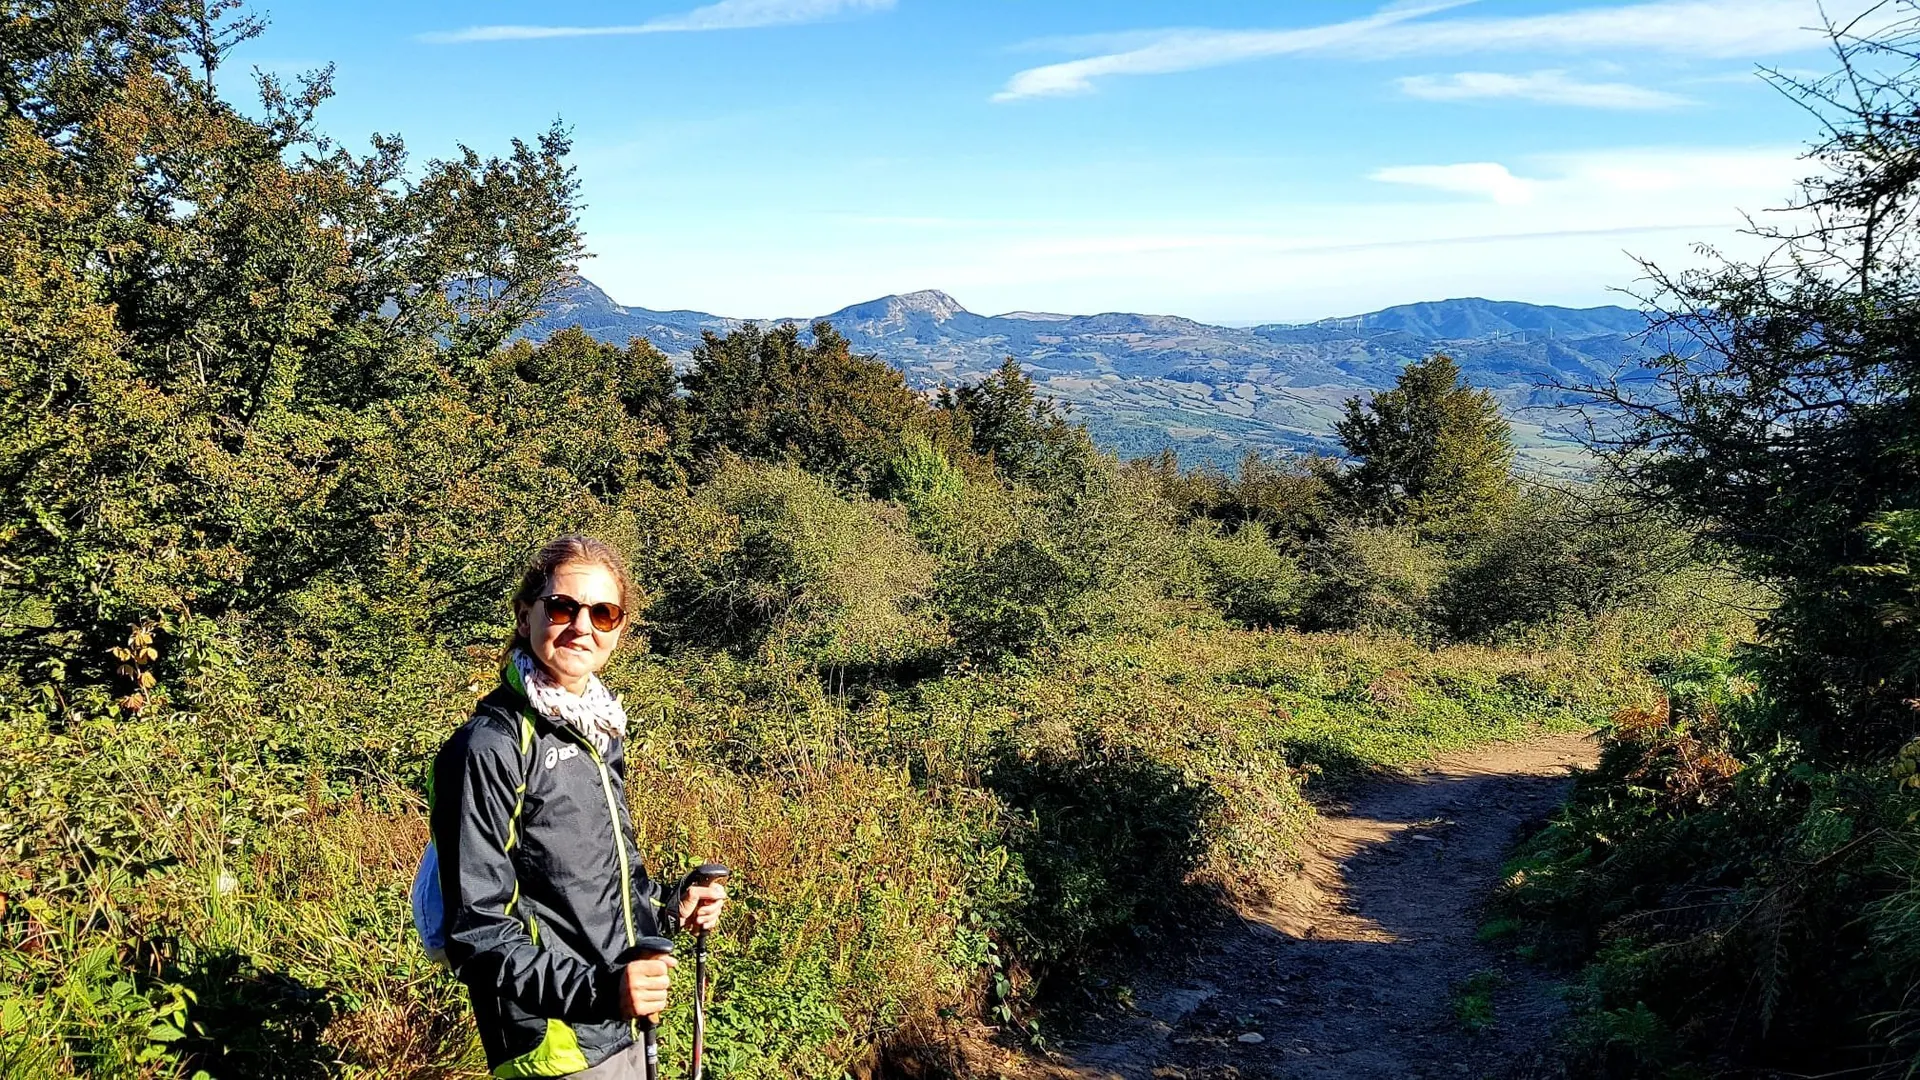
column 1334, row 758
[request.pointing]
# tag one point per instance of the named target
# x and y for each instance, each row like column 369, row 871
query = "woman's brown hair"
column 565, row 551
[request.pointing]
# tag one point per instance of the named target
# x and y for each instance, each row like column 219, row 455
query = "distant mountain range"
column 1142, row 383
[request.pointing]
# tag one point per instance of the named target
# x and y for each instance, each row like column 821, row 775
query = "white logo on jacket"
column 558, row 754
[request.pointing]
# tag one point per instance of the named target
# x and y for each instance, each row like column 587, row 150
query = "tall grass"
column 183, row 900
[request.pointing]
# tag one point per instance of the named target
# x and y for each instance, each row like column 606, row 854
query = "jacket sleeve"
column 665, row 899
column 477, row 780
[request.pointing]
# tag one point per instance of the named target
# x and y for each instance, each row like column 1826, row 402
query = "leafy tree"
column 206, row 315
column 1432, row 452
column 767, row 394
column 1784, row 422
column 608, row 415
column 1027, row 437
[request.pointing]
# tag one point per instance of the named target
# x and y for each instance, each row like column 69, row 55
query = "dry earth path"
column 1356, row 975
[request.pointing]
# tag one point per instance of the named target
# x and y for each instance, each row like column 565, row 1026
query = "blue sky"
column 1229, row 161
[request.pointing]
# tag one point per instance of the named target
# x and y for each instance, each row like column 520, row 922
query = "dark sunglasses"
column 563, row 609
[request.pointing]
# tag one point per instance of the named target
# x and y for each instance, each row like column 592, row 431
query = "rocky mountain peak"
column 931, row 302
column 928, row 304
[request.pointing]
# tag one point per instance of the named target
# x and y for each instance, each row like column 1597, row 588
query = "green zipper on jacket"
column 620, row 849
column 619, row 844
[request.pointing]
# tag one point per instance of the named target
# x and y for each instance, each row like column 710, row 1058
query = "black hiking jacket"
column 542, row 884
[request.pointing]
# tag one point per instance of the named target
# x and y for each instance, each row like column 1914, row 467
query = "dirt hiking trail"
column 1355, row 976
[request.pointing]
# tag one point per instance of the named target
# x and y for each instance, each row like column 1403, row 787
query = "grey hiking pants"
column 628, row 1064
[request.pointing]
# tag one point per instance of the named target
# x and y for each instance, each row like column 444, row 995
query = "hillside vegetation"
column 1739, row 878
column 967, row 703
column 1144, row 383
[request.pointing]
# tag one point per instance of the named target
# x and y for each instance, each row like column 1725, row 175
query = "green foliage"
column 1379, row 577
column 956, row 514
column 1108, row 836
column 830, row 580
column 1288, row 496
column 1432, row 452
column 1247, row 578
column 1085, row 556
column 1473, row 1000
column 1026, row 436
column 1723, row 889
column 766, row 394
column 1786, row 429
column 208, row 317
column 1894, row 539
column 922, row 479
column 1565, row 556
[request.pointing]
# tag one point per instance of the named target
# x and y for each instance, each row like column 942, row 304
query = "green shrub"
column 1720, row 888
column 1288, row 495
column 1564, row 557
column 957, row 515
column 1247, row 578
column 834, row 581
column 1374, row 577
column 1092, row 555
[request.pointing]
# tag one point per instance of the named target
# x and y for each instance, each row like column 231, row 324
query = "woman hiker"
column 542, row 885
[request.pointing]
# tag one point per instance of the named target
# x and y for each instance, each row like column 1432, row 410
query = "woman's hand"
column 700, row 906
column 643, row 994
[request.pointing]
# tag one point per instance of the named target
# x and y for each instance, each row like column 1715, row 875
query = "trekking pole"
column 649, row 948
column 706, row 874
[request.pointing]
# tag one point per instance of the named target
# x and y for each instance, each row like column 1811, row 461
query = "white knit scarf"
column 595, row 713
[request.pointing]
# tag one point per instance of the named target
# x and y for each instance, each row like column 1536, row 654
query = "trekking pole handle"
column 704, row 874
column 648, row 948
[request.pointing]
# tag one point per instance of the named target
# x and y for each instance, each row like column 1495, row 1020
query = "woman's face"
column 573, row 650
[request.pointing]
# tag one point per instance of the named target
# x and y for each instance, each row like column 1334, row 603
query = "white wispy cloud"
column 724, row 15
column 1699, row 28
column 1634, row 184
column 1188, row 50
column 1546, row 87
column 1487, row 179
column 1100, row 42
